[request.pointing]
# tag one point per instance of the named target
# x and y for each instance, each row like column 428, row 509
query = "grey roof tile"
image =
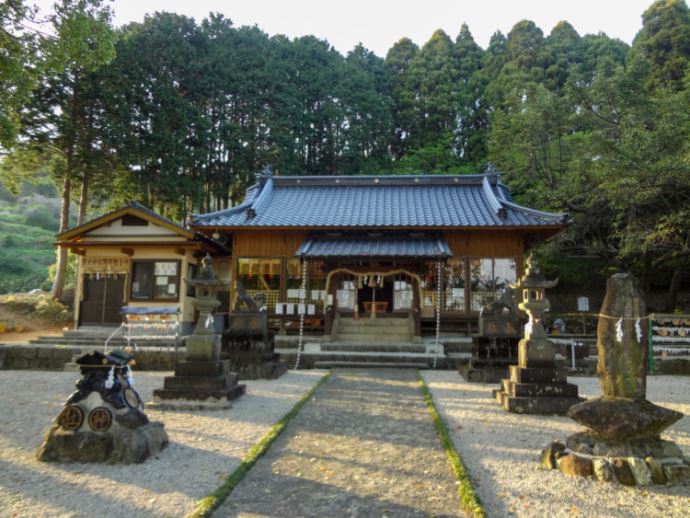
column 385, row 201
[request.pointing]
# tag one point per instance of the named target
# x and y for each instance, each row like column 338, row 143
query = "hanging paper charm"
column 209, row 322
column 110, row 381
column 129, row 376
column 619, row 330
column 638, row 330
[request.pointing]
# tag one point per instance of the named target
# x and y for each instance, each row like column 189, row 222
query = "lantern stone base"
column 198, row 385
column 537, row 390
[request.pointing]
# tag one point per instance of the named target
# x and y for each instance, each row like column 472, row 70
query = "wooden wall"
column 267, row 243
column 486, row 243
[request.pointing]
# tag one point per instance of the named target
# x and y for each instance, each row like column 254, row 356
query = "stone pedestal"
column 622, row 439
column 199, row 384
column 536, row 384
column 249, row 347
column 494, row 349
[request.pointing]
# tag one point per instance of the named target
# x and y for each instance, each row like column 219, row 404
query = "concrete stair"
column 381, row 329
column 88, row 337
column 365, row 354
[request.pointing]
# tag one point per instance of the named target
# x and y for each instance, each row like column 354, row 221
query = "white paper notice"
column 172, row 289
column 293, row 294
column 161, row 281
column 300, row 309
column 279, row 308
column 311, row 309
column 289, row 309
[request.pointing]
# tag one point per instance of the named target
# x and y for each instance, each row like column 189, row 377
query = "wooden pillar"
column 416, row 308
column 329, row 314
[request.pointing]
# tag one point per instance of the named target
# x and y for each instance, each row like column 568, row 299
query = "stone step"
column 196, row 383
column 371, row 337
column 369, row 365
column 368, row 322
column 537, row 374
column 373, row 347
column 537, row 405
column 374, row 330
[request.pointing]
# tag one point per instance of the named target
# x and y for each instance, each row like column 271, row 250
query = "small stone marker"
column 536, row 385
column 623, row 428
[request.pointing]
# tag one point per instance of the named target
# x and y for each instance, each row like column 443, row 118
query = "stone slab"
column 539, row 389
column 537, row 405
column 537, row 374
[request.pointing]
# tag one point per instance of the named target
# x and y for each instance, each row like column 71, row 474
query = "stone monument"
column 103, row 420
column 622, row 441
column 494, row 348
column 536, row 384
column 202, row 380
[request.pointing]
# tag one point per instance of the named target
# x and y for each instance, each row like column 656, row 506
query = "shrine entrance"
column 374, row 291
column 102, row 299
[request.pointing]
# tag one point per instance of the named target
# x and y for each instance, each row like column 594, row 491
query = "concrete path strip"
column 364, row 445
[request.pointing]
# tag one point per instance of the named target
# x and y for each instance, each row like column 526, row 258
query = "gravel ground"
column 204, row 448
column 501, row 451
column 364, row 445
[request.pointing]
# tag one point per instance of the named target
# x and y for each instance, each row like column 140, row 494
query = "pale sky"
column 378, row 24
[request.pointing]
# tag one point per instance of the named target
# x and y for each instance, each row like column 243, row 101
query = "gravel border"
column 205, row 447
column 501, row 451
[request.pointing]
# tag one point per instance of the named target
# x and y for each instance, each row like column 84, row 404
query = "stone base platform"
column 255, row 371
column 537, row 390
column 199, row 384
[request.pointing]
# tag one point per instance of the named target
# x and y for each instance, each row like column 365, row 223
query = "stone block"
column 621, row 419
column 656, row 470
column 572, row 464
column 539, row 389
column 537, row 375
column 602, row 470
column 677, row 474
column 549, row 454
column 640, row 471
column 622, row 472
column 202, row 368
column 44, row 352
column 536, row 405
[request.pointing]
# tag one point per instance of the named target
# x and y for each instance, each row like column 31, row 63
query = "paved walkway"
column 364, row 445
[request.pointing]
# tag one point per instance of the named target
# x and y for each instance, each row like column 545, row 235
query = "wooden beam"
column 127, row 251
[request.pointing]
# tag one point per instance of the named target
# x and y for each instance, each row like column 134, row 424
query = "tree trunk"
column 677, row 277
column 61, row 267
column 83, row 200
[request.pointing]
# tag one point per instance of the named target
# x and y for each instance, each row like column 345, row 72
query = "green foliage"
column 180, row 115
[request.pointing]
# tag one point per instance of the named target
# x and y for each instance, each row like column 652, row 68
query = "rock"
column 571, row 464
column 584, row 448
column 622, row 365
column 608, row 449
column 622, row 472
column 64, row 446
column 677, row 473
column 575, row 440
column 134, row 418
column 669, row 449
column 602, row 470
column 640, row 471
column 621, row 419
column 656, row 470
column 548, row 454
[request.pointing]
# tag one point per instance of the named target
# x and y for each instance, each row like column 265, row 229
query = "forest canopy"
column 180, row 115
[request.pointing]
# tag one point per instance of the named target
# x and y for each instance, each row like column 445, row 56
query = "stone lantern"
column 204, row 344
column 535, row 350
column 202, row 380
column 536, row 385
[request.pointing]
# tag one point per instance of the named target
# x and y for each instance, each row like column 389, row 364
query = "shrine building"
column 340, row 248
